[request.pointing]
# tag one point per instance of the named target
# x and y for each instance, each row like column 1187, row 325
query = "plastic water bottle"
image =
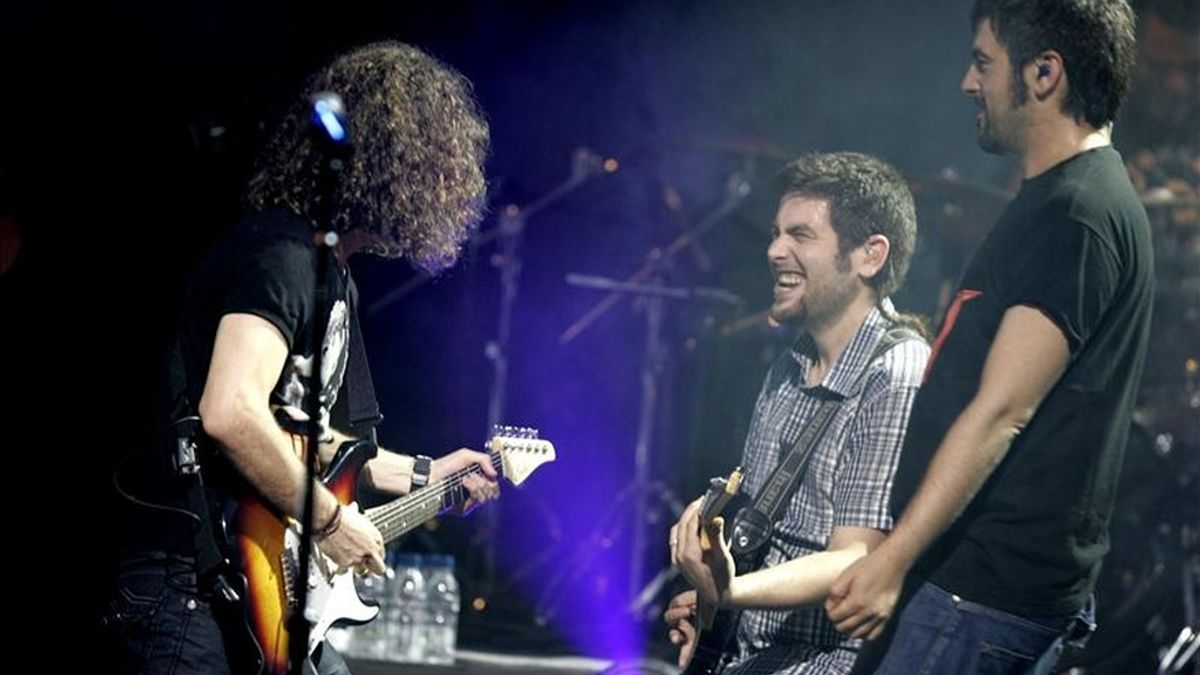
column 405, row 613
column 369, row 641
column 443, row 603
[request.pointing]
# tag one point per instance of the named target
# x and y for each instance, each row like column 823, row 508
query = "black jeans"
column 157, row 622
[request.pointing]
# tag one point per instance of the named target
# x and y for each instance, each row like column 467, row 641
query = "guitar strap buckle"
column 184, row 436
column 751, row 530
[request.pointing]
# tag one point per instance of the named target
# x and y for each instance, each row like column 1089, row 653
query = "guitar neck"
column 400, row 516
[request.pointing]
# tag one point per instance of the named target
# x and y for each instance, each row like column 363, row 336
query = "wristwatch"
column 422, row 465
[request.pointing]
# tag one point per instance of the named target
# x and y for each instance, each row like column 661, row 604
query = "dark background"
column 128, row 128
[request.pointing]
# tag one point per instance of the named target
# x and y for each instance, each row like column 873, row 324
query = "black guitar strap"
column 754, row 523
column 185, row 439
column 363, row 408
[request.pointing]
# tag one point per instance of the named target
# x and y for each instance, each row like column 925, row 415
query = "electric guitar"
column 715, row 628
column 264, row 547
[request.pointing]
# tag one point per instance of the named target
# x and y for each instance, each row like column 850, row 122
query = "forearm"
column 798, row 582
column 972, row 448
column 264, row 454
column 390, row 472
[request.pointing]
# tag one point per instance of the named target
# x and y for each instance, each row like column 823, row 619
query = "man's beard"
column 823, row 307
column 995, row 135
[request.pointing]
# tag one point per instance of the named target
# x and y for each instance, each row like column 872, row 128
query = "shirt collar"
column 841, row 379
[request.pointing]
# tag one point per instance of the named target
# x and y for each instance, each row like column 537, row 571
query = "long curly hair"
column 414, row 181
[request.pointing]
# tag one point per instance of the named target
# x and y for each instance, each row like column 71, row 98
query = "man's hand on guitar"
column 710, row 571
column 679, row 616
column 354, row 544
column 482, row 486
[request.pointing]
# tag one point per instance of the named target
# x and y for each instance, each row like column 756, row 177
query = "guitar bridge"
column 288, row 569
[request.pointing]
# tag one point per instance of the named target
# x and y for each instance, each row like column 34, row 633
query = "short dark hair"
column 866, row 196
column 1096, row 39
column 415, row 180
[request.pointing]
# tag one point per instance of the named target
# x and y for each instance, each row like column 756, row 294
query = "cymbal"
column 943, row 187
column 959, row 211
column 1165, row 199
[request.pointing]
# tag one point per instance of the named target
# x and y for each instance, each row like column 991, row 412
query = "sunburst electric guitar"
column 264, row 547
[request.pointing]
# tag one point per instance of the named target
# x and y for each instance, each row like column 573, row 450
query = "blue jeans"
column 158, row 622
column 941, row 633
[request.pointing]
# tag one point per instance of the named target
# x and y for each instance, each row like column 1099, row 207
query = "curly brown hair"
column 414, row 181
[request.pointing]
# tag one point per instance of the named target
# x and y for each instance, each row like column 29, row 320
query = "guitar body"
column 714, row 646
column 264, row 546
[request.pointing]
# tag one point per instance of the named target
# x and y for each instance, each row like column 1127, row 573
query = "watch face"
column 421, row 467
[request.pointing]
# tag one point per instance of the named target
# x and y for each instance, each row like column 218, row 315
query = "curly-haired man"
column 411, row 188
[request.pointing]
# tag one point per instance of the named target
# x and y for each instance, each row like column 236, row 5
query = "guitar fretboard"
column 402, row 515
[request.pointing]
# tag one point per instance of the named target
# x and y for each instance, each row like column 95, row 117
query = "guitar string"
column 389, row 516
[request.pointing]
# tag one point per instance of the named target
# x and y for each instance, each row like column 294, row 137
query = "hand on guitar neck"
column 700, row 552
column 479, row 477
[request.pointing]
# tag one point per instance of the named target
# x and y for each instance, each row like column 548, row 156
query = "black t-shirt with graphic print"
column 266, row 266
column 1074, row 244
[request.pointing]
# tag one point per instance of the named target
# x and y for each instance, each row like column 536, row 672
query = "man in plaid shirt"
column 841, row 243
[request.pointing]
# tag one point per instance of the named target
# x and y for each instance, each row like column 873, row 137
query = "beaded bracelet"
column 335, row 521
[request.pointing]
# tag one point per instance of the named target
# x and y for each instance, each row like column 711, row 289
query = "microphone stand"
column 617, row 518
column 653, row 360
column 330, row 137
column 510, row 231
column 737, row 189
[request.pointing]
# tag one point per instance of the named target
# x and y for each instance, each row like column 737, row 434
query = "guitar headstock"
column 720, row 491
column 520, row 451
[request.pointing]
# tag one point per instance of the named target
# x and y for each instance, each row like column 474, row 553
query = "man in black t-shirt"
column 1007, row 478
column 411, row 188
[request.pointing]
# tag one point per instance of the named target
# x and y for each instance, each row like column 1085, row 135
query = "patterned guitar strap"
column 753, row 524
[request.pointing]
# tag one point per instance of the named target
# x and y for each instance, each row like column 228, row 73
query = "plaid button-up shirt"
column 847, row 482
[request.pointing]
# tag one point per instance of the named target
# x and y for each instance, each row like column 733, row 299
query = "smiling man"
column 1007, row 479
column 841, row 243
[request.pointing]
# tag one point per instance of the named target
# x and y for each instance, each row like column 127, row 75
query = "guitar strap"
column 363, row 408
column 185, row 438
column 754, row 523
